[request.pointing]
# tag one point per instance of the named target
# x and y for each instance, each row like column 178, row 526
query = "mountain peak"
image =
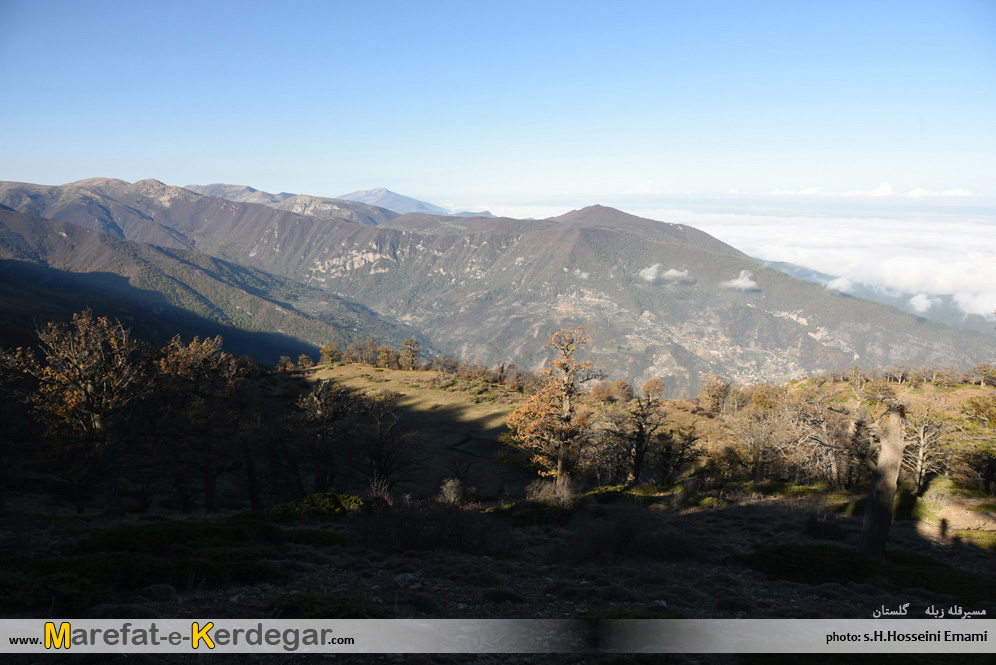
column 98, row 182
column 385, row 198
column 662, row 300
column 599, row 214
column 238, row 193
column 151, row 182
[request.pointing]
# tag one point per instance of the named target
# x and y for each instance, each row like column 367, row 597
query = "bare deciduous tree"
column 924, row 455
column 409, row 353
column 89, row 372
column 326, row 413
column 635, row 426
column 552, row 426
column 826, row 446
column 980, row 442
column 199, row 382
column 388, row 454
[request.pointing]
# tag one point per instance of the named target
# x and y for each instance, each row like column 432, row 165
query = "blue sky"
column 504, row 101
column 718, row 108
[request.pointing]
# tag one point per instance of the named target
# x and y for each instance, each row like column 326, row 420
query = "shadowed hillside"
column 663, row 300
column 50, row 267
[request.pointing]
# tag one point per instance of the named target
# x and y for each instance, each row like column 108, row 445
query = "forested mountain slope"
column 661, row 299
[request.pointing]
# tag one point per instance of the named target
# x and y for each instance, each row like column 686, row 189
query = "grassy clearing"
column 643, row 495
column 430, row 393
column 459, row 419
column 776, row 488
column 905, row 507
column 978, row 537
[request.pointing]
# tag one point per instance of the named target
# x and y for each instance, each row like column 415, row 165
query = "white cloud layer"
column 809, row 191
column 653, row 272
column 883, row 190
column 948, row 192
column 921, row 302
column 983, row 304
column 840, row 285
column 650, row 274
column 745, row 282
column 923, row 255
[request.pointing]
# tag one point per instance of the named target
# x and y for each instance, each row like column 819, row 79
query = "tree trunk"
column 989, row 476
column 885, row 474
column 561, row 476
column 920, row 470
column 112, row 495
column 636, row 463
column 758, row 471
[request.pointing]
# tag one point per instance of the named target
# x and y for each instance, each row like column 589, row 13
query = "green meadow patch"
column 317, row 507
column 906, row 506
column 978, row 537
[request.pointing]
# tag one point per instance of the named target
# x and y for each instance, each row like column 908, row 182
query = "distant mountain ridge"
column 371, row 206
column 50, row 269
column 385, row 198
column 240, row 193
column 662, row 300
column 302, row 204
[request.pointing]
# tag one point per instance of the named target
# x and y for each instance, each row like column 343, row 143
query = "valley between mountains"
column 661, row 300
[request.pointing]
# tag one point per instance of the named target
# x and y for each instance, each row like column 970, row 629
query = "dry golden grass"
column 459, row 419
column 422, row 393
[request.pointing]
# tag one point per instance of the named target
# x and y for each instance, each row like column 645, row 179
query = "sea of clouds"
column 919, row 254
column 917, row 246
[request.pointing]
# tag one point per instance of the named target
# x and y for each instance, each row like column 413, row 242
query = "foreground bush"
column 321, row 506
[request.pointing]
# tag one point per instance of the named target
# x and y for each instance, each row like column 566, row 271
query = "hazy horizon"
column 854, row 139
